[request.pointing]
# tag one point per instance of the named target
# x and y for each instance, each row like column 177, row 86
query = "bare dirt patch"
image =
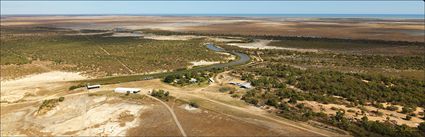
column 77, row 115
column 13, row 71
column 14, row 90
column 210, row 123
column 171, row 37
column 263, row 44
column 154, row 121
column 203, row 63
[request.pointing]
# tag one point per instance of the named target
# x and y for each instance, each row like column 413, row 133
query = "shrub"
column 226, row 89
column 292, row 100
column 61, row 99
column 160, row 94
column 334, row 108
column 235, row 96
column 300, row 106
column 271, row 102
column 169, row 78
column 392, row 108
column 193, row 104
column 73, row 87
column 351, row 110
column 412, row 114
column 379, row 113
column 408, row 117
column 421, row 127
column 381, row 106
column 406, row 110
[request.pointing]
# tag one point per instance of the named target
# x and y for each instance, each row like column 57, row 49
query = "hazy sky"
column 212, row 7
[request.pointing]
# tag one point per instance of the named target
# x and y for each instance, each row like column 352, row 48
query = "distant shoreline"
column 367, row 16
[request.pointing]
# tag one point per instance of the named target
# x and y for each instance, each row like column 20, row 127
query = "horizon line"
column 229, row 14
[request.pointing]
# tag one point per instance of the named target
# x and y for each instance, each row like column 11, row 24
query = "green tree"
column 292, row 100
column 169, row 79
column 421, row 127
column 61, row 99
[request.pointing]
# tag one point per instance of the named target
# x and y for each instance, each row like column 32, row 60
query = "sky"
column 212, row 7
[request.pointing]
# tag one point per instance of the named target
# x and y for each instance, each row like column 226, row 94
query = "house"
column 92, row 86
column 126, row 90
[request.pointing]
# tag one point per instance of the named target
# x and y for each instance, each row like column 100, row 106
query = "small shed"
column 127, row 90
column 93, row 86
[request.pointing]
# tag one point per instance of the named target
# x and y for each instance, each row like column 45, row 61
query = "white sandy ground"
column 230, row 56
column 100, row 120
column 127, row 35
column 179, row 25
column 87, row 34
column 175, row 26
column 263, row 44
column 191, row 109
column 79, row 115
column 225, row 39
column 14, row 90
column 169, row 37
column 203, row 63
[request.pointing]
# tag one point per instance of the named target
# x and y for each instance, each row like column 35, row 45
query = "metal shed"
column 125, row 90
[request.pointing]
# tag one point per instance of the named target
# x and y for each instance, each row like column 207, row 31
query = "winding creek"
column 241, row 59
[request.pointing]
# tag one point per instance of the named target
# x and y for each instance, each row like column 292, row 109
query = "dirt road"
column 172, row 114
column 119, row 61
column 246, row 110
column 209, row 98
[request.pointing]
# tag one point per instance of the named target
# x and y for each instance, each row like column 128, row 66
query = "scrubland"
column 366, row 79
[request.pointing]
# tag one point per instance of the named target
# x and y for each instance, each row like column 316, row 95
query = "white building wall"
column 124, row 90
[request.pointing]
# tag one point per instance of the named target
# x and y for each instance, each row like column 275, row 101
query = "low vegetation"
column 352, row 46
column 322, row 85
column 191, row 77
column 364, row 127
column 131, row 97
column 281, row 82
column 347, row 60
column 194, row 104
column 227, row 89
column 76, row 86
column 48, row 105
column 101, row 54
column 161, row 94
